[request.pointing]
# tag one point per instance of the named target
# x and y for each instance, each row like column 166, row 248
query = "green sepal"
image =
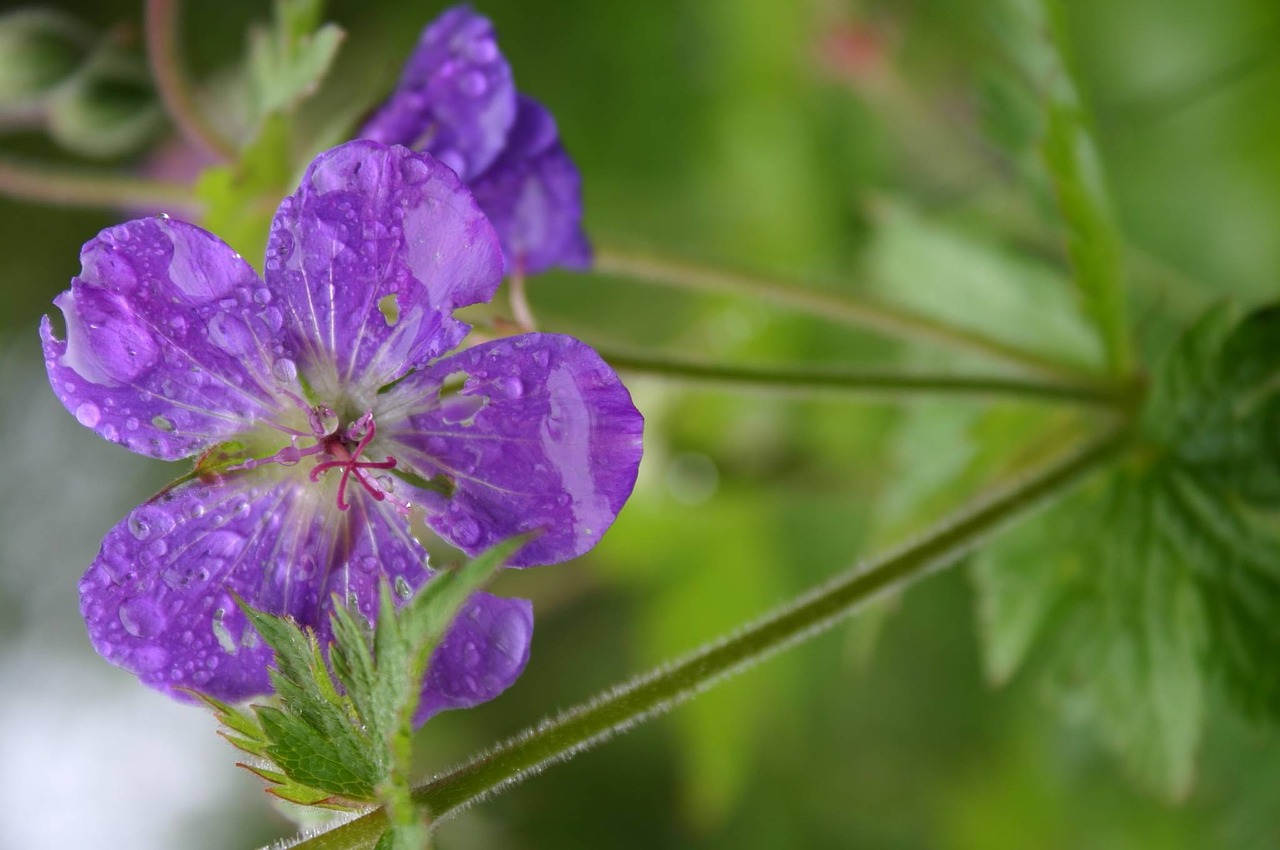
column 341, row 739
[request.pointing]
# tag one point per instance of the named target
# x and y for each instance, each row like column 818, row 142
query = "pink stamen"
column 350, row 462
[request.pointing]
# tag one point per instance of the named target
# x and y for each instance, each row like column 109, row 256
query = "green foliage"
column 1162, row 576
column 241, row 197
column 108, row 109
column 344, row 739
column 1033, row 35
column 39, row 49
column 288, row 60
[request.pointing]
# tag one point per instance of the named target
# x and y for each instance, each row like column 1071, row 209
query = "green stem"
column 171, row 82
column 813, row 380
column 32, row 181
column 867, row 315
column 652, row 694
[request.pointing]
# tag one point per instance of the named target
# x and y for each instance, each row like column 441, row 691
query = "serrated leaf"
column 1093, row 237
column 961, row 278
column 334, row 743
column 1161, row 575
column 289, row 59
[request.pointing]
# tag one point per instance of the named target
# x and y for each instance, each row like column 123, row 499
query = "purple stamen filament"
column 349, row 461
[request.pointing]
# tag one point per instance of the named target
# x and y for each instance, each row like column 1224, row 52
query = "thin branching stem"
column 78, row 187
column 806, row 381
column 162, row 22
column 843, row 308
column 656, row 692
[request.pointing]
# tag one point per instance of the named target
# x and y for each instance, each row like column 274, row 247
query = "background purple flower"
column 456, row 100
column 328, row 422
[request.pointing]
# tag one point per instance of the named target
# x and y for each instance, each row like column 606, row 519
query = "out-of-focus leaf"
column 240, row 198
column 108, row 109
column 39, row 49
column 288, row 60
column 945, row 272
column 1162, row 575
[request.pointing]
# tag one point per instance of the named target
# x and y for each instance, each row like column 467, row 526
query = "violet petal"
column 533, row 196
column 542, row 435
column 171, row 339
column 370, row 258
column 455, row 99
column 483, row 655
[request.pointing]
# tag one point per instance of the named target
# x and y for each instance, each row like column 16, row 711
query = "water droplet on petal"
column 466, row 531
column 222, row 633
column 88, row 414
column 141, row 617
column 403, row 590
column 285, row 369
column 163, row 423
column 513, row 387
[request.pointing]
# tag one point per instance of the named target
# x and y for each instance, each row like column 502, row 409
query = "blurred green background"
column 882, row 147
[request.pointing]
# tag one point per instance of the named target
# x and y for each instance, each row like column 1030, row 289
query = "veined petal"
column 159, row 598
column 170, row 340
column 455, row 99
column 371, row 257
column 533, row 196
column 483, row 655
column 542, row 435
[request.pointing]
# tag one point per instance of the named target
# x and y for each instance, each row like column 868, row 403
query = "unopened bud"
column 39, row 49
column 108, row 110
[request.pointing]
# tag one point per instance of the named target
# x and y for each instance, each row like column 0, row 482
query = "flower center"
column 337, row 449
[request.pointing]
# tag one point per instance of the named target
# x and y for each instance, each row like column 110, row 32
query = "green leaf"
column 1093, row 238
column 240, row 198
column 39, row 49
column 345, row 738
column 1162, row 576
column 288, row 60
column 960, row 277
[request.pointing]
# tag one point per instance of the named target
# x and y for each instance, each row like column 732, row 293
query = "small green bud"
column 108, row 110
column 39, row 50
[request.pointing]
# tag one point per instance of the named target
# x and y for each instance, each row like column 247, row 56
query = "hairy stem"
column 811, row 380
column 867, row 315
column 171, row 82
column 652, row 694
column 68, row 187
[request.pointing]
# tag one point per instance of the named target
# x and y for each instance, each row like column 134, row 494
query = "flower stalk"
column 654, row 693
column 171, row 82
column 844, row 309
column 827, row 381
column 83, row 188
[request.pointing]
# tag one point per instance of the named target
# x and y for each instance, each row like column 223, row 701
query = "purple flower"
column 456, row 100
column 328, row 418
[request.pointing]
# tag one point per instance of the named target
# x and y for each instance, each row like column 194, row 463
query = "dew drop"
column 466, row 531
column 222, row 633
column 141, row 617
column 403, row 590
column 88, row 414
column 470, row 655
column 285, row 369
column 513, row 387
column 139, row 527
column 163, row 423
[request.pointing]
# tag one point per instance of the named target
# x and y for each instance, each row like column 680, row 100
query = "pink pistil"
column 349, row 462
